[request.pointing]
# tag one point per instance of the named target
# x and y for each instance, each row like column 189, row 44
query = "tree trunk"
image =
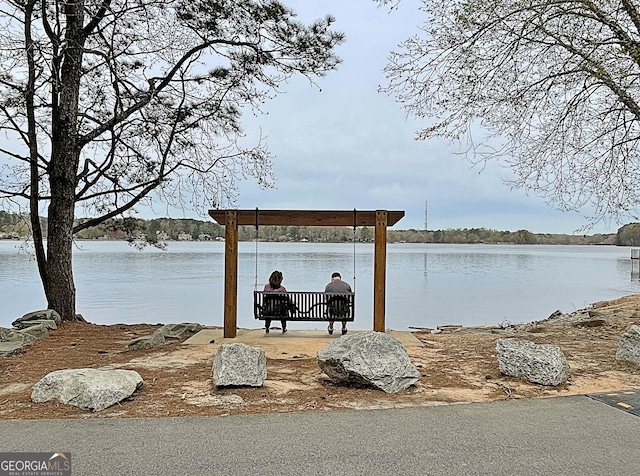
column 65, row 154
column 60, row 287
column 32, row 134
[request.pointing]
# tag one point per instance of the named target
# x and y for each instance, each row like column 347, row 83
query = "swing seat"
column 303, row 306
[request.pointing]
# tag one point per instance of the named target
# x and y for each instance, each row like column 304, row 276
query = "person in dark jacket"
column 337, row 305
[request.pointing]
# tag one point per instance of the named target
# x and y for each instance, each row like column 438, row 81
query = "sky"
column 349, row 146
column 342, row 144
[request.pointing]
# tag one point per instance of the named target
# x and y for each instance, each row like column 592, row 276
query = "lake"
column 427, row 284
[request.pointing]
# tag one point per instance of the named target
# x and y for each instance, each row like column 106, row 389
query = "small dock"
column 635, row 263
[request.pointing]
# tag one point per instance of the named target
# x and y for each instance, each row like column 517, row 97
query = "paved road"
column 558, row 436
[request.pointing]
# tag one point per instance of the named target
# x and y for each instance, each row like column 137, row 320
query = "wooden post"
column 231, row 274
column 379, row 271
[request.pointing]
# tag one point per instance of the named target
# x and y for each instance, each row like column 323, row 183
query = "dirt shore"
column 458, row 366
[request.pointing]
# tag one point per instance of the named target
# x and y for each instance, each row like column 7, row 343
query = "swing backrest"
column 338, row 306
column 275, row 304
column 304, row 306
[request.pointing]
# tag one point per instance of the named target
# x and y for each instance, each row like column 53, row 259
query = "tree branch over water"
column 548, row 88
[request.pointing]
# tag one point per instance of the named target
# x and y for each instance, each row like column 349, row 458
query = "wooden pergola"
column 231, row 219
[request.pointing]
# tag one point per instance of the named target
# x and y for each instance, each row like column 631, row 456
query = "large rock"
column 9, row 348
column 538, row 363
column 38, row 331
column 179, row 331
column 48, row 314
column 147, row 342
column 89, row 389
column 629, row 346
column 239, row 365
column 48, row 323
column 369, row 358
column 13, row 335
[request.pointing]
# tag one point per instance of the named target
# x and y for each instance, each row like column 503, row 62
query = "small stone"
column 147, row 342
column 180, row 331
column 38, row 331
column 47, row 314
column 13, row 335
column 9, row 348
column 48, row 323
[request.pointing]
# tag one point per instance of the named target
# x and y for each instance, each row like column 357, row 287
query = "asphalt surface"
column 627, row 400
column 563, row 436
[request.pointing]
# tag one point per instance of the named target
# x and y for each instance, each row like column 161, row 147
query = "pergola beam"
column 231, row 219
column 306, row 217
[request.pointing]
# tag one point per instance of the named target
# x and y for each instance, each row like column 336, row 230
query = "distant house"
column 117, row 235
column 204, row 237
column 182, row 236
column 161, row 236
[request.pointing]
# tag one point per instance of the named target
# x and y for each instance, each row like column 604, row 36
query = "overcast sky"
column 347, row 146
column 350, row 146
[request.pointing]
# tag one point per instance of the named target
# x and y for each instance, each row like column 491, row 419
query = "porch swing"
column 232, row 218
column 301, row 306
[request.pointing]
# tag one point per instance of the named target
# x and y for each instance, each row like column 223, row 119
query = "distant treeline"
column 16, row 226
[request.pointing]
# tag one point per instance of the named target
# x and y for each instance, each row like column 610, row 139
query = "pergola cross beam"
column 231, row 219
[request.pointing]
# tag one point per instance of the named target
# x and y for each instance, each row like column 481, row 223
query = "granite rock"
column 369, row 358
column 239, row 365
column 629, row 346
column 537, row 363
column 89, row 389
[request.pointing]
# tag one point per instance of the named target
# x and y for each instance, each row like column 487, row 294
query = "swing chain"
column 354, row 248
column 255, row 284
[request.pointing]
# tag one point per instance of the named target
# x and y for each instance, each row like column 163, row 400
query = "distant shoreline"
column 14, row 226
column 394, row 242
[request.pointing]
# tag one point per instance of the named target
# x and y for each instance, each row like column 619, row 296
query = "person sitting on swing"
column 276, row 305
column 338, row 306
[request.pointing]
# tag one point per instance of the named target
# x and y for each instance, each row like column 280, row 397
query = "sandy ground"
column 457, row 366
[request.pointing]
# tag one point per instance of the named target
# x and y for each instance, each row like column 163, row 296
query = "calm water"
column 427, row 285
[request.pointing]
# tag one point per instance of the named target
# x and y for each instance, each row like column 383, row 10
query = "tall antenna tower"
column 426, row 226
column 425, row 215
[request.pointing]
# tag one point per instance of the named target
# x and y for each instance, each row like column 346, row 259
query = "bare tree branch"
column 108, row 104
column 552, row 88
